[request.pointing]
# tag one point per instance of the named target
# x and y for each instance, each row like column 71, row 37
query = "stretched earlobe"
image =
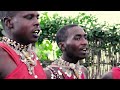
column 8, row 23
column 61, row 46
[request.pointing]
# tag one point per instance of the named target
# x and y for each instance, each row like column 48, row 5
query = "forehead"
column 75, row 31
column 27, row 12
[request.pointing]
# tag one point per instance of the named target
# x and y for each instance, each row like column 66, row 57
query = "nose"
column 36, row 23
column 84, row 41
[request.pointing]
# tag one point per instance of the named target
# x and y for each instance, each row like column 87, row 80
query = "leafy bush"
column 101, row 37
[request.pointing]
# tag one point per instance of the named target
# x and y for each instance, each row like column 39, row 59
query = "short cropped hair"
column 4, row 14
column 62, row 34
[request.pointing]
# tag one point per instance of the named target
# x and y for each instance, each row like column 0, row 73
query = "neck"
column 69, row 59
column 6, row 34
column 17, row 45
column 11, row 37
column 20, row 40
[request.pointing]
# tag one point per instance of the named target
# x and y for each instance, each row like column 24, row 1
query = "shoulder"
column 3, row 53
column 53, row 72
column 6, row 63
column 85, row 70
column 114, row 73
column 107, row 75
column 48, row 73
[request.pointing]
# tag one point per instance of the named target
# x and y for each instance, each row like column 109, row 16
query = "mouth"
column 84, row 50
column 36, row 33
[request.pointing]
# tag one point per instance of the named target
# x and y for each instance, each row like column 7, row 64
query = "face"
column 76, row 45
column 26, row 27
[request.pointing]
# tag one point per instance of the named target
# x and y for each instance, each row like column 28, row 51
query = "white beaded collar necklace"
column 25, row 52
column 75, row 67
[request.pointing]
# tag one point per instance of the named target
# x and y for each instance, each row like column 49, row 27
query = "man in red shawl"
column 17, row 57
column 72, row 40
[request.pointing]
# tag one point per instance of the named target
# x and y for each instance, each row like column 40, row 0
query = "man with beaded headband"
column 72, row 40
column 17, row 57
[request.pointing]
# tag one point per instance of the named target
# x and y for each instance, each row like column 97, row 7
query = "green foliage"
column 100, row 36
column 1, row 28
column 58, row 53
column 50, row 25
column 43, row 50
column 47, row 50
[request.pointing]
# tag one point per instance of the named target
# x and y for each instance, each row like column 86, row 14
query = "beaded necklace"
column 25, row 52
column 67, row 67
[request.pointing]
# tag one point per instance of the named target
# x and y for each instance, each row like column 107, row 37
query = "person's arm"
column 7, row 65
column 107, row 75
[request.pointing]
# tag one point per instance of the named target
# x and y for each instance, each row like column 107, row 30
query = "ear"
column 8, row 22
column 61, row 46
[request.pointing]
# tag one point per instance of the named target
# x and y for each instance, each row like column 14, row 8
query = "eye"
column 29, row 17
column 37, row 16
column 85, row 37
column 77, row 37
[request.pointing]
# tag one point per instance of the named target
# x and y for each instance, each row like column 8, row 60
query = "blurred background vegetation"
column 104, row 41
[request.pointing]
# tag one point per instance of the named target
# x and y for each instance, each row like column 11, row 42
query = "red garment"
column 72, row 77
column 21, row 72
column 116, row 72
column 82, row 76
